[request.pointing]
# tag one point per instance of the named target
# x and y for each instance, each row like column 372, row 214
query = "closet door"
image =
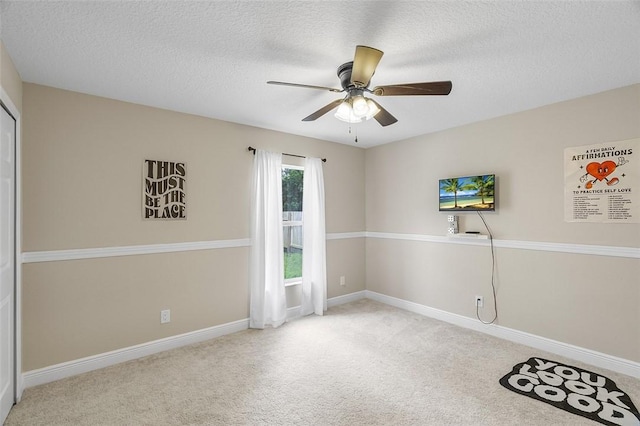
column 7, row 262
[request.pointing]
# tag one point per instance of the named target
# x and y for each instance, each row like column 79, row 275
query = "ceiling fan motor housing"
column 344, row 74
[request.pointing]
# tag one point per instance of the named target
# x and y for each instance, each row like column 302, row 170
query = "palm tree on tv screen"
column 452, row 185
column 483, row 185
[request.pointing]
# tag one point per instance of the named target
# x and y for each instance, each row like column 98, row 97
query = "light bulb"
column 373, row 109
column 360, row 107
column 345, row 113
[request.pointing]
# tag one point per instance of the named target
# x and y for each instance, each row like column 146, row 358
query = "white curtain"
column 314, row 256
column 266, row 277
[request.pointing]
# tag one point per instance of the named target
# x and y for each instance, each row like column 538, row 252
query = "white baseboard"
column 84, row 365
column 347, row 298
column 295, row 312
column 588, row 356
column 95, row 362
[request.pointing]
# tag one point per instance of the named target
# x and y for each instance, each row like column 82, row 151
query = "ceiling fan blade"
column 384, row 117
column 322, row 111
column 408, row 89
column 307, row 86
column 364, row 65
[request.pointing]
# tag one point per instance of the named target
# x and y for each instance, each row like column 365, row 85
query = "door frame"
column 15, row 112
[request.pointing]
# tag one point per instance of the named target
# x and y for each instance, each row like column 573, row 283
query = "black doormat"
column 574, row 390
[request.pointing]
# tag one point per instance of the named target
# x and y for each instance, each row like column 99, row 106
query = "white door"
column 7, row 264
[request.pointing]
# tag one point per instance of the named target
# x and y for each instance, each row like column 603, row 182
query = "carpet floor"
column 363, row 363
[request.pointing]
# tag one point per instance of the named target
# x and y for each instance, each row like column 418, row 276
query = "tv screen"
column 468, row 193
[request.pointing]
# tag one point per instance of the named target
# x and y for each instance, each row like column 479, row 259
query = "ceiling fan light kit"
column 359, row 104
column 355, row 78
column 356, row 108
column 345, row 113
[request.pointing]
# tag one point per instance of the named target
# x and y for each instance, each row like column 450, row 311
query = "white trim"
column 345, row 235
column 100, row 252
column 419, row 237
column 90, row 253
column 95, row 362
column 291, row 223
column 346, row 298
column 588, row 356
column 83, row 365
column 293, row 282
column 631, row 252
column 294, row 313
column 6, row 99
column 289, row 166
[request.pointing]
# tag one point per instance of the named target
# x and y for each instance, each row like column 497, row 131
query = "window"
column 292, row 179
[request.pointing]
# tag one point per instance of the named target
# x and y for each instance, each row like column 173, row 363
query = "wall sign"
column 602, row 182
column 163, row 190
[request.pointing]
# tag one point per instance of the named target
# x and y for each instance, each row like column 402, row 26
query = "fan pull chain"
column 356, row 140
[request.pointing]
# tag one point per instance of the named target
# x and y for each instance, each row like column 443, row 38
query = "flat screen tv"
column 467, row 193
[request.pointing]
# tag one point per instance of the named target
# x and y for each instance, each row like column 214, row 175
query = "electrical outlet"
column 165, row 316
column 479, row 301
column 343, row 282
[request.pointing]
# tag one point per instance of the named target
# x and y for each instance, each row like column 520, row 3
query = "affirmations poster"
column 163, row 190
column 602, row 182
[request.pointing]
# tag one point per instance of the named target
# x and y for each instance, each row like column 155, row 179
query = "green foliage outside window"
column 292, row 182
column 292, row 265
column 292, row 190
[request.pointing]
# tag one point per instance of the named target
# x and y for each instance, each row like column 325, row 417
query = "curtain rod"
column 324, row 160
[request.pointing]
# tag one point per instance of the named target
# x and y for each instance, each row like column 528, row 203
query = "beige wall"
column 82, row 168
column 82, row 160
column 83, row 165
column 10, row 80
column 590, row 301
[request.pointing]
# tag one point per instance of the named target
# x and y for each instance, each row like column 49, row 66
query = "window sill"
column 293, row 281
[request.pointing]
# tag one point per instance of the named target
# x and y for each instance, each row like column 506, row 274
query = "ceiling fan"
column 355, row 77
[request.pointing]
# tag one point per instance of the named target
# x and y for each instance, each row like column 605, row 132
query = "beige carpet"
column 364, row 363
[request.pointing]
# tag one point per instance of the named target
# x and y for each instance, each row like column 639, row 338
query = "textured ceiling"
column 213, row 58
